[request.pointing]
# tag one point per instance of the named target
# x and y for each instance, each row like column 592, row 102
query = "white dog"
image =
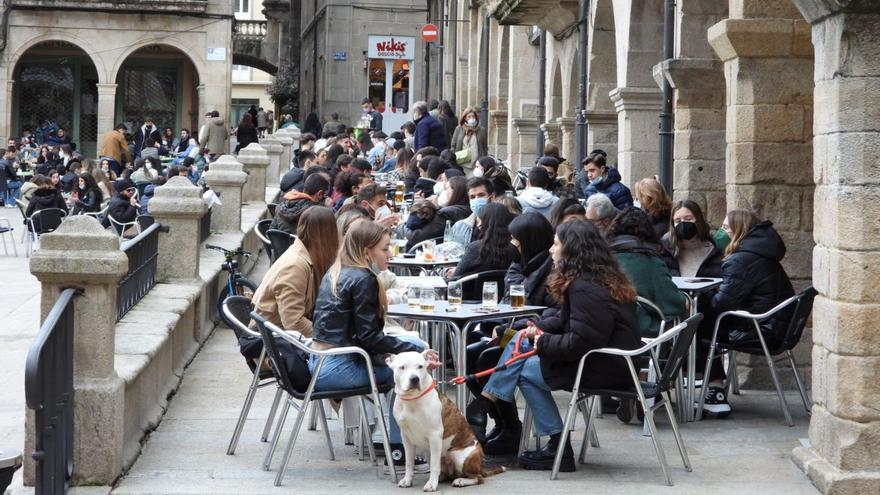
column 430, row 421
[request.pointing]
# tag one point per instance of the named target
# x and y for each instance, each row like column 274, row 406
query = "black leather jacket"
column 351, row 317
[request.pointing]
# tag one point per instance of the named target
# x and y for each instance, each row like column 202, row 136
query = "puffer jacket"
column 288, row 213
column 145, row 199
column 351, row 317
column 538, row 200
column 611, row 186
column 710, row 267
column 454, row 213
column 754, row 279
column 430, row 230
column 44, row 198
column 579, row 328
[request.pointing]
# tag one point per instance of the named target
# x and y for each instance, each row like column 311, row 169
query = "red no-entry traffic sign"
column 430, row 33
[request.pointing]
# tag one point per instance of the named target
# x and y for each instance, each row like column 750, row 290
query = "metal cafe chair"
column 280, row 241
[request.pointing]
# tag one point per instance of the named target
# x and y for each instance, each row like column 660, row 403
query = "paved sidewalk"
column 748, row 453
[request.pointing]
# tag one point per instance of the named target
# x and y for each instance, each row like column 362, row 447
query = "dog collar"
column 426, row 392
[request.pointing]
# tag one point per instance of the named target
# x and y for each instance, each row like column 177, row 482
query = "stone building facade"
column 774, row 110
column 86, row 65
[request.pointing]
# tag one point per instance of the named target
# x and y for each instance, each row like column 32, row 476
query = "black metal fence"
column 205, row 227
column 143, row 255
column 48, row 384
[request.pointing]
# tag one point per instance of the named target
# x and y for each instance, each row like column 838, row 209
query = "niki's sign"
column 392, row 47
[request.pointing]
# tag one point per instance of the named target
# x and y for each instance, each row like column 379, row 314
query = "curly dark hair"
column 494, row 236
column 636, row 222
column 346, row 181
column 585, row 254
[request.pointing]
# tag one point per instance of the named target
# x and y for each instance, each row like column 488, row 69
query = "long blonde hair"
column 654, row 199
column 360, row 237
column 741, row 223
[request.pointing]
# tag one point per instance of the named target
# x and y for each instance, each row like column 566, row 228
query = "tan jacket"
column 286, row 297
column 113, row 146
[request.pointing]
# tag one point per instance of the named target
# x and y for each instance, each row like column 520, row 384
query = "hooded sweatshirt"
column 288, row 213
column 537, row 199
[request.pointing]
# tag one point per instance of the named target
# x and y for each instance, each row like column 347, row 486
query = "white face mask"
column 443, row 199
column 637, row 203
column 478, row 172
column 383, row 212
column 439, row 187
column 471, row 122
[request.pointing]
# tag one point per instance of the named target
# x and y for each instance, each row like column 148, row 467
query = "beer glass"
column 453, row 295
column 412, row 296
column 426, row 301
column 490, row 295
column 517, row 296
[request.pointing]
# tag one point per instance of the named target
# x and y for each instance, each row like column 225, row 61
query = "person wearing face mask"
column 424, row 222
column 689, row 248
column 373, row 200
column 372, row 115
column 605, row 179
column 89, row 197
column 469, row 140
column 480, row 193
column 453, row 201
column 488, row 168
column 143, row 133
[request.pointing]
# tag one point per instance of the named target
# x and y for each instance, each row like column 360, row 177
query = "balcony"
column 557, row 16
column 251, row 46
column 133, row 6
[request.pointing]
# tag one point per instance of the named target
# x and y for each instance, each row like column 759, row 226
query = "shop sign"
column 391, row 47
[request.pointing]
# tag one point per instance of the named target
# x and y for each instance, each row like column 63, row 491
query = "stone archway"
column 601, row 79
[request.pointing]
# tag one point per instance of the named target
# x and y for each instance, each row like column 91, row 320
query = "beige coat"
column 286, row 297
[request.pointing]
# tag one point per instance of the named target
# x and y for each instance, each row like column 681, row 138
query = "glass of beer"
column 398, row 192
column 413, row 295
column 428, row 250
column 395, row 248
column 517, row 296
column 426, row 301
column 453, row 295
column 490, row 295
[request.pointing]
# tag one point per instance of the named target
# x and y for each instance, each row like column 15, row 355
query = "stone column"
column 6, row 97
column 845, row 425
column 296, row 135
column 203, row 104
column 255, row 160
column 552, row 134
column 525, row 130
column 274, row 150
column 286, row 142
column 179, row 205
column 699, row 132
column 637, row 141
column 84, row 255
column 106, row 108
column 566, row 131
column 226, row 177
column 602, row 131
column 498, row 133
column 768, row 66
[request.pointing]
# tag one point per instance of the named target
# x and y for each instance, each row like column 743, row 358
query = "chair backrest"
column 679, row 353
column 118, row 226
column 420, row 245
column 237, row 315
column 145, row 221
column 260, row 229
column 276, row 362
column 472, row 285
column 271, row 207
column 653, row 311
column 803, row 308
column 47, row 220
column 280, row 241
column 22, row 208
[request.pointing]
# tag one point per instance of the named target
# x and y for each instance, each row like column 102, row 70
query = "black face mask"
column 686, row 230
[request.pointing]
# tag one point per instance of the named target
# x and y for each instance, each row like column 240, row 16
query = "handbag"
column 463, row 157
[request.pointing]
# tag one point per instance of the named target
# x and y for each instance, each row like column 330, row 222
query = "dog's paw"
column 430, row 486
column 405, row 483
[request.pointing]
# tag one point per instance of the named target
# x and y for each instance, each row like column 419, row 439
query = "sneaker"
column 716, row 402
column 626, row 410
column 421, row 465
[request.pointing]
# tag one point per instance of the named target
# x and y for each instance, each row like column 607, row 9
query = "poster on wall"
column 391, row 47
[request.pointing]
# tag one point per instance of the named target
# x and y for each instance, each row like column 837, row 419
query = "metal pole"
column 428, row 58
column 442, row 48
column 454, row 36
column 667, row 138
column 542, row 96
column 484, row 74
column 580, row 128
column 315, row 60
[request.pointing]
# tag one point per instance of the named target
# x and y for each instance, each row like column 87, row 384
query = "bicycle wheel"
column 242, row 286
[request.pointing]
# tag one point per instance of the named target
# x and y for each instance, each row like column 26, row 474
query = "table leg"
column 460, row 390
column 692, row 371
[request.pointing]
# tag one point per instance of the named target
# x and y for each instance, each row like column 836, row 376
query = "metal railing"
column 48, row 386
column 205, row 227
column 143, row 255
column 250, row 29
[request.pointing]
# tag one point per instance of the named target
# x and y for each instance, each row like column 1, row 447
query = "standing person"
column 144, row 133
column 7, row 176
column 447, row 117
column 605, row 179
column 270, row 118
column 350, row 311
column 429, row 132
column 287, row 294
column 252, row 111
column 216, row 136
column 114, row 149
column 312, row 124
column 469, row 140
column 371, row 114
column 585, row 276
column 652, row 198
column 262, row 122
column 89, row 197
column 246, row 132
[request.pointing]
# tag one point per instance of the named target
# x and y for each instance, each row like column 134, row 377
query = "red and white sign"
column 391, row 47
column 430, row 33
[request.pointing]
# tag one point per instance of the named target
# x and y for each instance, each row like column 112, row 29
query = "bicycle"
column 236, row 283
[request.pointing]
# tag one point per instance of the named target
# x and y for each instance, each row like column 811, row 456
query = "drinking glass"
column 428, row 250
column 453, row 296
column 426, row 301
column 412, row 296
column 517, row 296
column 490, row 295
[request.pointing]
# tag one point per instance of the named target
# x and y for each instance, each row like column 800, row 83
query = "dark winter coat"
column 429, row 132
column 754, row 279
column 291, row 179
column 434, row 228
column 88, row 202
column 611, row 186
column 580, row 328
column 288, row 212
column 709, row 268
column 121, row 209
column 471, row 262
column 246, row 136
column 533, row 278
column 351, row 316
column 454, row 213
column 425, row 186
column 44, row 198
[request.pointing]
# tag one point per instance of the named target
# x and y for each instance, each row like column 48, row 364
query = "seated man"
column 536, row 196
column 123, row 208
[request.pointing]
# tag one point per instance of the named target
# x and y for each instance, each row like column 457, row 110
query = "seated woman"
column 89, row 197
column 487, row 167
column 350, row 311
column 424, row 222
column 492, row 250
column 754, row 281
column 689, row 248
column 453, row 201
column 652, row 198
column 566, row 209
column 532, row 234
column 585, row 277
column 46, row 196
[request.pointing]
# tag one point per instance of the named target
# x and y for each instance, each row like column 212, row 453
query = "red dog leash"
column 516, row 356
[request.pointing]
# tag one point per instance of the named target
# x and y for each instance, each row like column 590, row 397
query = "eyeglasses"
column 131, row 190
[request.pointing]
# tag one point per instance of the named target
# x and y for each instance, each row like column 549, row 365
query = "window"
column 241, row 73
column 243, row 8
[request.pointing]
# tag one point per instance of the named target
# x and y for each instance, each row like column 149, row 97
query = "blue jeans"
column 350, row 371
column 526, row 374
